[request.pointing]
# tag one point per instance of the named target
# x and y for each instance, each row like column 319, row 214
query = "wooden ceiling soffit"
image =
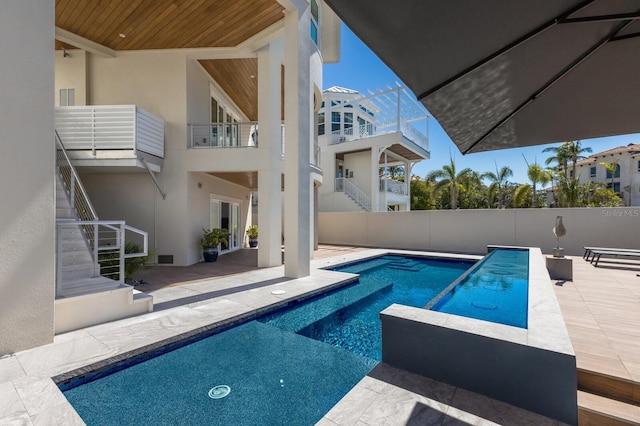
column 239, row 80
column 167, row 24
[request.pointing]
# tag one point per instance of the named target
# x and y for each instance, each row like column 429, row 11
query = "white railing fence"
column 355, row 193
column 224, row 135
column 108, row 247
column 381, row 128
column 393, row 186
column 110, row 127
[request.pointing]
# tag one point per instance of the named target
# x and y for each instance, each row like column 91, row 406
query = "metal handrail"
column 355, row 193
column 108, row 247
column 82, row 204
column 393, row 186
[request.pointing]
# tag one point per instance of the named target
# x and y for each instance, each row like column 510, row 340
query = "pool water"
column 274, row 378
column 350, row 318
column 285, row 368
column 497, row 290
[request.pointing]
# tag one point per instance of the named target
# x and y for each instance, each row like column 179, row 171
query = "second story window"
column 592, row 171
column 335, row 121
column 639, row 165
column 321, row 124
column 315, row 20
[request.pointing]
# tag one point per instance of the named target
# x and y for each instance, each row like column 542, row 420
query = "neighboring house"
column 626, row 179
column 159, row 108
column 368, row 145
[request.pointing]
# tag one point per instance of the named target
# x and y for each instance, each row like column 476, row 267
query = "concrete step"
column 78, row 271
column 594, row 410
column 84, row 286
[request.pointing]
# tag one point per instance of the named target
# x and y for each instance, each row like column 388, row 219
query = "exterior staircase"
column 354, row 193
column 84, row 295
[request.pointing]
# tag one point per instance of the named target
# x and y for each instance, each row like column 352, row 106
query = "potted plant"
column 211, row 239
column 252, row 233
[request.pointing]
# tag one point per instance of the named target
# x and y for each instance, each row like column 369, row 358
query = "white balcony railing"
column 393, row 187
column 367, row 130
column 110, row 127
column 224, row 135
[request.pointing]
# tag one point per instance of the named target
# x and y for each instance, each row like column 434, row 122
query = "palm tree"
column 575, row 153
column 449, row 179
column 612, row 168
column 498, row 181
column 537, row 175
column 561, row 157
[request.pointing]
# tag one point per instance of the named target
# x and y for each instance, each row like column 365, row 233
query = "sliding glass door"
column 226, row 214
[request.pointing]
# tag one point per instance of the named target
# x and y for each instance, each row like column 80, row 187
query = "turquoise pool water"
column 285, row 368
column 497, row 290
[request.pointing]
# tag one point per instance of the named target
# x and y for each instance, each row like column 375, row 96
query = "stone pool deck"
column 385, row 396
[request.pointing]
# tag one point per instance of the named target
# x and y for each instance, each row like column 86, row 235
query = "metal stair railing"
column 108, row 249
column 77, row 194
column 355, row 193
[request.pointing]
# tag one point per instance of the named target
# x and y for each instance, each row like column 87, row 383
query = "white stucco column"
column 269, row 145
column 297, row 113
column 27, row 159
column 375, row 181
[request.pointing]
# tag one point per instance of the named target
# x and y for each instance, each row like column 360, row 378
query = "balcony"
column 110, row 127
column 237, row 135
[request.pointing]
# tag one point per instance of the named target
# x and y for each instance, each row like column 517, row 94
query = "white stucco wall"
column 71, row 73
column 359, row 163
column 199, row 205
column 27, row 154
column 125, row 196
column 470, row 231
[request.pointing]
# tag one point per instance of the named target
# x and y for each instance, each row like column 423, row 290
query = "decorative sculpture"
column 559, row 231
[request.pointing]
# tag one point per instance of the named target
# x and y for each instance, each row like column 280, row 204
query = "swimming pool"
column 273, row 372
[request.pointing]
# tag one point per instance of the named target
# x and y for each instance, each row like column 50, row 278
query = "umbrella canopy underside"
column 509, row 73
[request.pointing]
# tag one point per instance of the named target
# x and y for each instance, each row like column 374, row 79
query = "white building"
column 159, row 109
column 364, row 140
column 626, row 179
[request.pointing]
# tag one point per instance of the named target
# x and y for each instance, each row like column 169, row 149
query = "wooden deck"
column 601, row 308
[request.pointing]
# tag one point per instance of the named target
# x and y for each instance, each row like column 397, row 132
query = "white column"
column 269, row 140
column 298, row 108
column 375, row 181
column 27, row 216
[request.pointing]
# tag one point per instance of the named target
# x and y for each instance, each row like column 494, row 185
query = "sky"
column 360, row 69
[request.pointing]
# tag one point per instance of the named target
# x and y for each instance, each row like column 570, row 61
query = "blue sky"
column 360, row 69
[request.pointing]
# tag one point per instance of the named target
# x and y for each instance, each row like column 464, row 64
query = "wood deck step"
column 594, row 410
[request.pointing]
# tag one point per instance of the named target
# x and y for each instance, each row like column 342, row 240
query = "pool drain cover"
column 219, row 391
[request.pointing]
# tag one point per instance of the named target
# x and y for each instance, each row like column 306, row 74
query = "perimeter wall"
column 470, row 231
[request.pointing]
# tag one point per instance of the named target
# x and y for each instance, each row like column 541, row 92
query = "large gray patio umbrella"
column 508, row 73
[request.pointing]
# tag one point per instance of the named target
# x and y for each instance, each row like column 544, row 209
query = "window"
column 616, row 186
column 639, row 165
column 335, row 121
column 321, row 124
column 592, row 171
column 571, row 174
column 616, row 174
column 315, row 20
column 348, row 122
column 67, row 97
